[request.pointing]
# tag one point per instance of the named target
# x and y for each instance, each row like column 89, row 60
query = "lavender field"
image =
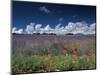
column 50, row 53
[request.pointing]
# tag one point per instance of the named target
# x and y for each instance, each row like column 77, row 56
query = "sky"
column 33, row 17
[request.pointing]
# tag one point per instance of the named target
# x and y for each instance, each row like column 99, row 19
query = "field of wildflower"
column 52, row 53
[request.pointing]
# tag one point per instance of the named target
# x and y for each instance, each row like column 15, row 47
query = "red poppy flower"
column 74, row 50
column 65, row 50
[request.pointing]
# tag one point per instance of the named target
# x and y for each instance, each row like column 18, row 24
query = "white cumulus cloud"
column 17, row 31
column 47, row 29
column 71, row 27
column 92, row 28
column 38, row 28
column 30, row 28
column 80, row 27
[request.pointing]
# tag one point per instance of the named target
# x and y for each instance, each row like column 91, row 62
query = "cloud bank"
column 17, row 31
column 71, row 27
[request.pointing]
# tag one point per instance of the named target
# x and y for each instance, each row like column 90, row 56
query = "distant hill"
column 70, row 34
column 53, row 34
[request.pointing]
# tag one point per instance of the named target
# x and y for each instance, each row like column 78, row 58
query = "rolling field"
column 50, row 53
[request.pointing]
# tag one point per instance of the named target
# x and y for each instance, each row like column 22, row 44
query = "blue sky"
column 24, row 13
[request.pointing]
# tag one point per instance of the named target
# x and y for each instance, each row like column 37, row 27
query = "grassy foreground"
column 51, row 63
column 46, row 53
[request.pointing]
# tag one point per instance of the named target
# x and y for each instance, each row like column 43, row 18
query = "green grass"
column 45, row 63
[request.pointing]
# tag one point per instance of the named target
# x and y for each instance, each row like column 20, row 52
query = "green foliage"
column 36, row 63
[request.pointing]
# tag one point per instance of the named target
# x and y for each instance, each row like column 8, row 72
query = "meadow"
column 52, row 53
